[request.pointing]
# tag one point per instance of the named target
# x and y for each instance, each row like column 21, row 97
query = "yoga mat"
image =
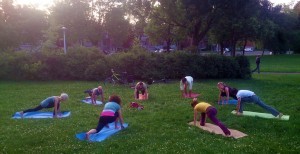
column 193, row 95
column 40, row 115
column 262, row 115
column 103, row 134
column 89, row 101
column 230, row 102
column 141, row 97
column 217, row 130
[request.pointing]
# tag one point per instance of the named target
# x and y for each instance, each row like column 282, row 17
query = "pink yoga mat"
column 141, row 97
column 193, row 95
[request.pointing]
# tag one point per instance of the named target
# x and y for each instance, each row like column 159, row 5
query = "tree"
column 237, row 21
column 138, row 12
column 116, row 26
column 74, row 15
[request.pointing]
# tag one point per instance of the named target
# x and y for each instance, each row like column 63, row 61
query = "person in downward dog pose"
column 205, row 109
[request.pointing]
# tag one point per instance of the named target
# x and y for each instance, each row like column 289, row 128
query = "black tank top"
column 231, row 92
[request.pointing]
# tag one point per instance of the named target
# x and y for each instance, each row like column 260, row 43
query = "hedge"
column 89, row 64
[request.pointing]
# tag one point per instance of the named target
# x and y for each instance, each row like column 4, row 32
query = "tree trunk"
column 244, row 46
column 222, row 48
column 169, row 39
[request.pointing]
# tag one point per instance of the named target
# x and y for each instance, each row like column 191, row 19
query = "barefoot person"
column 93, row 93
column 141, row 87
column 207, row 109
column 248, row 96
column 225, row 91
column 111, row 113
column 50, row 102
column 186, row 82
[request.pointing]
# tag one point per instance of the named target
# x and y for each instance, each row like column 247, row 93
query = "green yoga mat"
column 262, row 115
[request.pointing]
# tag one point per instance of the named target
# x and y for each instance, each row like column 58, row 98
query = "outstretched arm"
column 220, row 98
column 56, row 106
column 238, row 106
column 227, row 94
column 195, row 117
column 94, row 97
column 134, row 93
column 120, row 119
column 102, row 97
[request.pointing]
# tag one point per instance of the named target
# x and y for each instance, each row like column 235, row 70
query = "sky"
column 44, row 4
column 283, row 1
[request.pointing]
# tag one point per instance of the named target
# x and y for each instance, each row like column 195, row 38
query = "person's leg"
column 103, row 121
column 254, row 69
column 202, row 119
column 211, row 113
column 39, row 107
column 260, row 103
column 258, row 68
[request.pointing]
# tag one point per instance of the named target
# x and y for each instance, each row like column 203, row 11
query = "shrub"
column 89, row 64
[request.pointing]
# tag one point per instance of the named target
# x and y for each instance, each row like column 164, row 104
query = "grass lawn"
column 277, row 63
column 160, row 128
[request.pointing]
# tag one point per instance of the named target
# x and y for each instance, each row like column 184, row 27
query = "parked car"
column 249, row 49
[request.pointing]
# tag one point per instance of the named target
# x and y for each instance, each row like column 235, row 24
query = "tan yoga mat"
column 217, row 130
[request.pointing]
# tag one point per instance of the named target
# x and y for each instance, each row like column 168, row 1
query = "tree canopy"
column 114, row 24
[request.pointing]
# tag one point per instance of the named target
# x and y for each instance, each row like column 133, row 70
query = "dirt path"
column 278, row 73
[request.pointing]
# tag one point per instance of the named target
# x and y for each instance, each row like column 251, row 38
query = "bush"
column 88, row 64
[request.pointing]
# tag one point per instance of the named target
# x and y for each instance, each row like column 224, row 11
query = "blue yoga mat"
column 103, row 134
column 230, row 102
column 40, row 115
column 88, row 101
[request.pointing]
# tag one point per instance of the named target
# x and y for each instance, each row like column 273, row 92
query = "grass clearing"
column 160, row 128
column 277, row 63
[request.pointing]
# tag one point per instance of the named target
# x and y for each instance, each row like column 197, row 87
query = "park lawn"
column 160, row 128
column 277, row 63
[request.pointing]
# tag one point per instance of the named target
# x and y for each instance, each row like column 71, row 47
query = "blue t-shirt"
column 48, row 102
column 110, row 108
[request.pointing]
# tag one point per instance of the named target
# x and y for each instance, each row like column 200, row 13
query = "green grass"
column 277, row 63
column 160, row 128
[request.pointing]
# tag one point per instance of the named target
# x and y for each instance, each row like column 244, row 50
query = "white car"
column 248, row 49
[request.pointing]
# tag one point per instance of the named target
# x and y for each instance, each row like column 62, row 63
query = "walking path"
column 279, row 73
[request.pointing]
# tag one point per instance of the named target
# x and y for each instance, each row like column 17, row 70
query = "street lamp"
column 65, row 45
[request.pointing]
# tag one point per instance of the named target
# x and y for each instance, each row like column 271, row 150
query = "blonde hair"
column 222, row 83
column 64, row 96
